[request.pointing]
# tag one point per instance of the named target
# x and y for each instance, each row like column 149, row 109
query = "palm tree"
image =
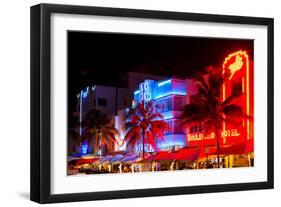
column 210, row 110
column 98, row 130
column 73, row 135
column 145, row 125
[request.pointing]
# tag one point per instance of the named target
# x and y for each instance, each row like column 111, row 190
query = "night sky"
column 100, row 58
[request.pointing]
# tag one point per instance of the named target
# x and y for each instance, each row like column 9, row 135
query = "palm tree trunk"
column 99, row 146
column 143, row 144
column 218, row 146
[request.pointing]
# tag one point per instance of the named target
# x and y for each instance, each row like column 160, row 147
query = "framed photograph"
column 132, row 103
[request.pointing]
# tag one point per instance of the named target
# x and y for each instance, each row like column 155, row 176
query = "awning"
column 249, row 146
column 158, row 156
column 116, row 158
column 86, row 161
column 182, row 154
column 241, row 148
column 187, row 154
column 107, row 158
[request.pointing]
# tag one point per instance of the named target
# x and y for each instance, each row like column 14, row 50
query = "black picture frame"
column 41, row 95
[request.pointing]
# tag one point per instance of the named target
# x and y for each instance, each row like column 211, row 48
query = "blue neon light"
column 147, row 148
column 149, row 90
column 85, row 94
column 137, row 92
column 164, row 82
column 168, row 115
column 161, row 95
column 84, row 149
column 169, row 87
column 173, row 140
column 145, row 91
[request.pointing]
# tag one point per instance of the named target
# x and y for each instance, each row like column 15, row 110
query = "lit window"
column 196, row 129
column 164, row 105
column 236, row 88
column 178, row 103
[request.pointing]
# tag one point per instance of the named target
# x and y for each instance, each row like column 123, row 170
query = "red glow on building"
column 240, row 81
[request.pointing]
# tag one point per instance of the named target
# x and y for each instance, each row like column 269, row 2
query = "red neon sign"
column 225, row 136
column 235, row 62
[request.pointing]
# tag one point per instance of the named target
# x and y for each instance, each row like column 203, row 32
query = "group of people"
column 144, row 167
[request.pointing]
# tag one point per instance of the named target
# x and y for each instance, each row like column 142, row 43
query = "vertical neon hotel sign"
column 145, row 91
column 235, row 62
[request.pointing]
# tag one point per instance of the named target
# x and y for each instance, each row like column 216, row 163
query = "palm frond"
column 155, row 116
column 202, row 82
column 150, row 140
column 145, row 123
column 135, row 130
column 231, row 98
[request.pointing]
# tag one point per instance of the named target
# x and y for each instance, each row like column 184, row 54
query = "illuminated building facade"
column 105, row 98
column 239, row 84
column 171, row 95
column 112, row 101
column 168, row 97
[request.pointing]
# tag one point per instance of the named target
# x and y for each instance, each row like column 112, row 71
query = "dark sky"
column 100, row 58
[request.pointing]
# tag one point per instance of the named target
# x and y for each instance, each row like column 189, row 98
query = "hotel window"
column 102, row 101
column 196, row 128
column 164, row 105
column 170, row 123
column 178, row 103
column 178, row 127
column 236, row 88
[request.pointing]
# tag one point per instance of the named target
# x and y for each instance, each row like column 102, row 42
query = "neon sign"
column 147, row 148
column 230, row 133
column 202, row 136
column 84, row 149
column 235, row 62
column 85, row 93
column 164, row 83
column 237, row 65
column 153, row 90
column 146, row 90
column 136, row 92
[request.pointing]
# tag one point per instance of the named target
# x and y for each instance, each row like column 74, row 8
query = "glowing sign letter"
column 237, row 65
column 145, row 90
